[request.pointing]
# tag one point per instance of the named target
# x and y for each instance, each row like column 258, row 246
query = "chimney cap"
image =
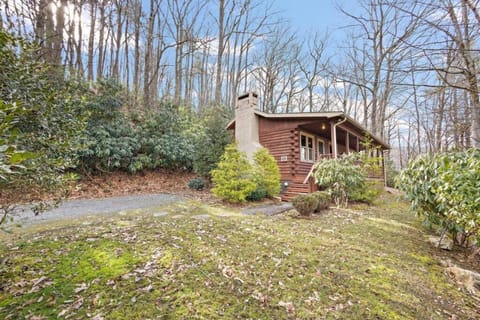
column 247, row 94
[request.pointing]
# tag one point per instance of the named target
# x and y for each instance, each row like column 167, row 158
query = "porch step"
column 289, row 196
column 295, row 189
column 298, row 187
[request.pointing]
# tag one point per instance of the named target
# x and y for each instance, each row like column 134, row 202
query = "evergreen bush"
column 232, row 179
column 266, row 172
column 305, row 204
column 196, row 184
column 258, row 194
column 210, row 142
column 340, row 177
column 391, row 172
column 444, row 190
column 42, row 121
column 136, row 142
column 324, row 199
column 367, row 193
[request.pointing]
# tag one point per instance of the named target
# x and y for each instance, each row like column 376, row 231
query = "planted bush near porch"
column 305, row 204
column 236, row 180
column 340, row 177
column 324, row 199
column 232, row 179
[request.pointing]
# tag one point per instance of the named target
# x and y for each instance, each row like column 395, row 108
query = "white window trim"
column 307, row 135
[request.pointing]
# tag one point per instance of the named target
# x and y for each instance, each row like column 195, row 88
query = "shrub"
column 109, row 146
column 196, row 184
column 323, row 199
column 305, row 204
column 232, row 178
column 443, row 189
column 210, row 142
column 340, row 177
column 136, row 142
column 391, row 173
column 42, row 119
column 366, row 194
column 258, row 194
column 266, row 172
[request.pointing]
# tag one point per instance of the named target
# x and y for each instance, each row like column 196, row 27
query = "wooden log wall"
column 281, row 145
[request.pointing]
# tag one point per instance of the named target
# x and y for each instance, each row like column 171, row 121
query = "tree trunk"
column 91, row 40
column 221, row 48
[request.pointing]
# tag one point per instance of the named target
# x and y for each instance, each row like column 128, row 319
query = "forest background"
column 408, row 70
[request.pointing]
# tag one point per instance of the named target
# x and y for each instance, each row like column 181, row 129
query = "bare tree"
column 313, row 65
column 382, row 32
column 276, row 67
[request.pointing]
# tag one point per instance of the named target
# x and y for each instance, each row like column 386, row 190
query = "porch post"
column 333, row 139
column 347, row 141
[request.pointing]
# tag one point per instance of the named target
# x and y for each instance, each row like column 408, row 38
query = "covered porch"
column 330, row 138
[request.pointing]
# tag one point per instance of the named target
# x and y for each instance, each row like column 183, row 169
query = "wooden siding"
column 280, row 144
column 282, row 139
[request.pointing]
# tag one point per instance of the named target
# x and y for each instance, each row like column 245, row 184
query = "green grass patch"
column 202, row 262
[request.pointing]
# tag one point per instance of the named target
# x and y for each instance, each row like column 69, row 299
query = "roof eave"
column 328, row 115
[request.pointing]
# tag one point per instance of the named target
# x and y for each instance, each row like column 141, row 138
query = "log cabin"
column 298, row 140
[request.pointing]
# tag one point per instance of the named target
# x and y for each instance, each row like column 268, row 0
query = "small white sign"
column 283, row 158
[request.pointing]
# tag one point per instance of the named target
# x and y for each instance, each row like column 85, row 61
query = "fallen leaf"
column 289, row 307
column 78, row 303
column 40, row 280
column 81, row 288
column 63, row 312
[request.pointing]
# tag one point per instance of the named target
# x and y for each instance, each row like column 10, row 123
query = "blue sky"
column 316, row 15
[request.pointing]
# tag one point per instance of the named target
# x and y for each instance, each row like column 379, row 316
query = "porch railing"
column 372, row 173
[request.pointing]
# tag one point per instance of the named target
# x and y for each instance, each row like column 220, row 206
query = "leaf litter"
column 343, row 264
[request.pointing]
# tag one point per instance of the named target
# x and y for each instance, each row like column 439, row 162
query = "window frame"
column 324, row 145
column 306, row 150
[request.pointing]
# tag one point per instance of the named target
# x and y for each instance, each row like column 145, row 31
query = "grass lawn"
column 194, row 261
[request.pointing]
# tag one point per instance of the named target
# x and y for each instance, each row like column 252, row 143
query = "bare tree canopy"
column 409, row 70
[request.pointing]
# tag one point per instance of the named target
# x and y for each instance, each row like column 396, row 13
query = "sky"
column 317, row 15
column 307, row 14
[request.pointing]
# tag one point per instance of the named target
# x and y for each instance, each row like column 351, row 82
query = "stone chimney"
column 246, row 124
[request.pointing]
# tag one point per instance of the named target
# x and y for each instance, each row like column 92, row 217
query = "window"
column 306, row 148
column 321, row 148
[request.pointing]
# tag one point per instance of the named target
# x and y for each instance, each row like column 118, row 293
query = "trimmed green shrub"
column 258, row 194
column 340, row 177
column 266, row 172
column 196, row 184
column 232, row 179
column 305, row 204
column 444, row 190
column 324, row 199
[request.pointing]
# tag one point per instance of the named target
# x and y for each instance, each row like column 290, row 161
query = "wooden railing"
column 325, row 156
column 372, row 173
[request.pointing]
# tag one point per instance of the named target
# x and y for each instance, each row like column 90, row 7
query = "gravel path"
column 87, row 207
column 269, row 209
column 73, row 209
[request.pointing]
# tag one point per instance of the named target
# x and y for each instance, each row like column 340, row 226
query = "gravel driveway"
column 73, row 209
column 85, row 207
